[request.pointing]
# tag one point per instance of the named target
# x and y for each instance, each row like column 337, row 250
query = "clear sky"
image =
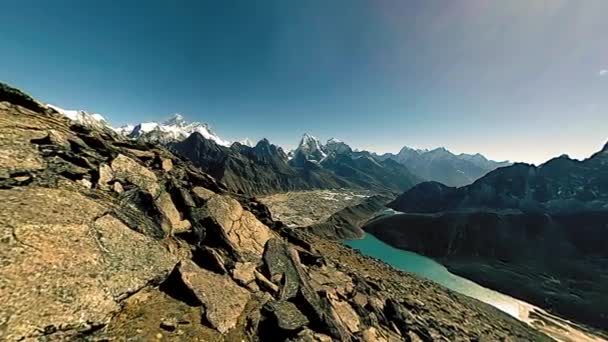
column 520, row 80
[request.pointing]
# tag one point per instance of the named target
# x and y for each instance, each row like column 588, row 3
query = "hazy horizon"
column 514, row 80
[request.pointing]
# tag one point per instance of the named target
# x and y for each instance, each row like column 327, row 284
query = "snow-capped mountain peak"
column 124, row 129
column 335, row 146
column 82, row 117
column 246, row 142
column 310, row 148
column 174, row 129
column 176, row 120
column 310, row 143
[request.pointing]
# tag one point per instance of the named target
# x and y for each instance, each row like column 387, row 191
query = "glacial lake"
column 432, row 270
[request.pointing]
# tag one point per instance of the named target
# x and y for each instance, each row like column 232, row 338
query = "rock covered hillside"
column 106, row 238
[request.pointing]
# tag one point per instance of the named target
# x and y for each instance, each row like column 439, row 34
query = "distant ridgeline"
column 266, row 168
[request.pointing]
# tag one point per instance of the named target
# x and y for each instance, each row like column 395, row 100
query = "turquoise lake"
column 432, row 270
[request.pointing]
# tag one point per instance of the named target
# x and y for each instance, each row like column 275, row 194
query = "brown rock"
column 329, row 279
column 223, row 300
column 202, row 193
column 131, row 171
column 264, row 282
column 241, row 228
column 63, row 267
column 85, row 183
column 345, row 314
column 118, row 188
column 166, row 164
column 105, row 174
column 166, row 206
column 141, row 154
column 22, row 178
column 307, row 335
column 372, row 334
column 244, row 273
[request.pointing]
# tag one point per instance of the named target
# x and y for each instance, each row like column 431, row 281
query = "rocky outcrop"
column 67, row 261
column 91, row 248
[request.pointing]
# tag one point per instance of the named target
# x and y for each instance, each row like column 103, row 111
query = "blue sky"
column 518, row 80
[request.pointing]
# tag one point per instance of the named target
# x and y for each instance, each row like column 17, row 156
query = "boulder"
column 307, row 335
column 66, row 263
column 287, row 315
column 223, row 300
column 240, row 228
column 280, row 268
column 141, row 154
column 167, row 208
column 345, row 313
column 118, row 188
column 202, row 193
column 166, row 164
column 127, row 169
column 105, row 174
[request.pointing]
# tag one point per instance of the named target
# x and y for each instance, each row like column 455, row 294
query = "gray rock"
column 281, row 268
column 287, row 315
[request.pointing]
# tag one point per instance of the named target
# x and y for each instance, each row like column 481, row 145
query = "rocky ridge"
column 106, row 238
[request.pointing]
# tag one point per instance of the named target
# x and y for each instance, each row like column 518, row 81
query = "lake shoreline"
column 555, row 327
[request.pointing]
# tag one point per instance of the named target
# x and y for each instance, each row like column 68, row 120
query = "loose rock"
column 222, row 299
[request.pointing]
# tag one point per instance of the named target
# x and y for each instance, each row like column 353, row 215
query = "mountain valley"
column 128, row 241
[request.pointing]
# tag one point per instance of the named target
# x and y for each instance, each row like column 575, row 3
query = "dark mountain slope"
column 558, row 262
column 537, row 233
column 253, row 170
column 266, row 168
column 559, row 184
column 363, row 169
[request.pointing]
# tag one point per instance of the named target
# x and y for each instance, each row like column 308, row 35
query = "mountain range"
column 266, row 168
column 559, row 184
column 311, row 165
column 443, row 166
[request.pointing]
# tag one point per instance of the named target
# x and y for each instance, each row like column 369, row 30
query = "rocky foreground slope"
column 104, row 238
